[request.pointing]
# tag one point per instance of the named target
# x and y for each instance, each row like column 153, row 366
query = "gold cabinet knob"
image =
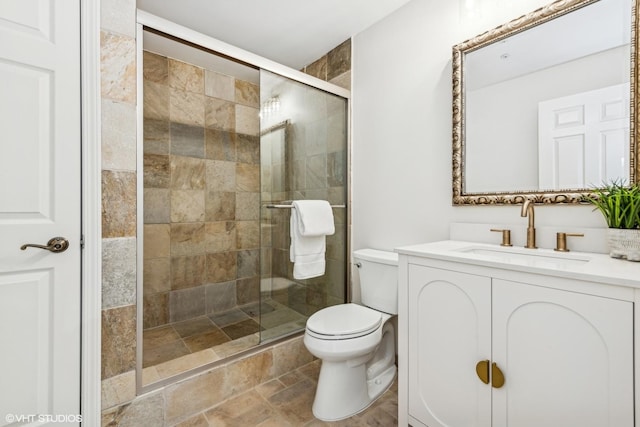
column 561, row 241
column 497, row 377
column 482, row 370
column 506, row 236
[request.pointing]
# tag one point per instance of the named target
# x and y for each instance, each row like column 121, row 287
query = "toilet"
column 356, row 342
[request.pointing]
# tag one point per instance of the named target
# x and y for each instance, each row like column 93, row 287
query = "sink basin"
column 534, row 257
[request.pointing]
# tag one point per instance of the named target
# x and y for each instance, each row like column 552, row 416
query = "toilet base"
column 352, row 399
column 346, row 388
column 379, row 385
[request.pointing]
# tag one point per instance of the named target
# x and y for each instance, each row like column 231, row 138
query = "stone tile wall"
column 334, row 67
column 311, row 164
column 201, row 191
column 331, row 172
column 317, row 170
column 118, row 104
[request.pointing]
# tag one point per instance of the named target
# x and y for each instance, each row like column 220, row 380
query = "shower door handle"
column 57, row 244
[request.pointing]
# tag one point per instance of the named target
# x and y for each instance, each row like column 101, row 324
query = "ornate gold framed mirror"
column 545, row 106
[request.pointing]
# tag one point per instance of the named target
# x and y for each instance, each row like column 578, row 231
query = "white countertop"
column 574, row 265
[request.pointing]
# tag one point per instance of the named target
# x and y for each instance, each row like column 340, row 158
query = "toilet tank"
column 378, row 279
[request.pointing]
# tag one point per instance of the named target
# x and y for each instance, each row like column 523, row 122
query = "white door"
column 583, row 139
column 567, row 358
column 449, row 334
column 39, row 200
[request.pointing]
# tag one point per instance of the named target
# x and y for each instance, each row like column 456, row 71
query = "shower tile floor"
column 225, row 333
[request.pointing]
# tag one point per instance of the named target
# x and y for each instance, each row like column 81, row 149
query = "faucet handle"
column 561, row 241
column 506, row 236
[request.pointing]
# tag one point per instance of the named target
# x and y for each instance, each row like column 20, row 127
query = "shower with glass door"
column 226, row 148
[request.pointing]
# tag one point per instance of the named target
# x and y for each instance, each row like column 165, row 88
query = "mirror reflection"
column 545, row 103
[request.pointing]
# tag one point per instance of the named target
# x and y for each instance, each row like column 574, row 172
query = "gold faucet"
column 527, row 210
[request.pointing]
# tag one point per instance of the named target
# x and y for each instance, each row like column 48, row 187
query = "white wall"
column 402, row 128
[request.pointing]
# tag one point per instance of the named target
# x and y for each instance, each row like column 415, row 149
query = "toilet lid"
column 347, row 320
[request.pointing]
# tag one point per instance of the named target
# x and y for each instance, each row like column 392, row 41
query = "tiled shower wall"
column 318, row 170
column 308, row 166
column 334, row 67
column 167, row 405
column 118, row 104
column 201, row 191
column 307, row 161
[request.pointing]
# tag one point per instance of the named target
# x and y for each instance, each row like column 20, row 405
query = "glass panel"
column 217, row 148
column 303, row 155
column 201, row 195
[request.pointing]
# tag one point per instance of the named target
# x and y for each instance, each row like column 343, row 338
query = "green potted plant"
column 620, row 206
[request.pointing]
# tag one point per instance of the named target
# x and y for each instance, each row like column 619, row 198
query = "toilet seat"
column 343, row 321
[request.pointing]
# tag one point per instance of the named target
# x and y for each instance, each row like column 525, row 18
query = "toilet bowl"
column 356, row 343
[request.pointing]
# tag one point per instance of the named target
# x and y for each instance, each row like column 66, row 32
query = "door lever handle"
column 57, row 244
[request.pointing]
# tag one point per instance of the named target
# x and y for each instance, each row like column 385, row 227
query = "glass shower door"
column 303, row 156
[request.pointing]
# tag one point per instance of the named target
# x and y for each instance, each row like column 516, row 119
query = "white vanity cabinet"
column 449, row 332
column 563, row 347
column 570, row 357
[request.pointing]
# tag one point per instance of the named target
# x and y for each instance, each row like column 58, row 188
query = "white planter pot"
column 624, row 243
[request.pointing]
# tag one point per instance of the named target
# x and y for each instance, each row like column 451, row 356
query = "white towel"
column 307, row 252
column 316, row 217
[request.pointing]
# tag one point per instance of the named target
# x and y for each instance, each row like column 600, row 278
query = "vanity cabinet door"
column 567, row 358
column 449, row 333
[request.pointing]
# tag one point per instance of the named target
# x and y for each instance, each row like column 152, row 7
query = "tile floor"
column 178, row 339
column 286, row 402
